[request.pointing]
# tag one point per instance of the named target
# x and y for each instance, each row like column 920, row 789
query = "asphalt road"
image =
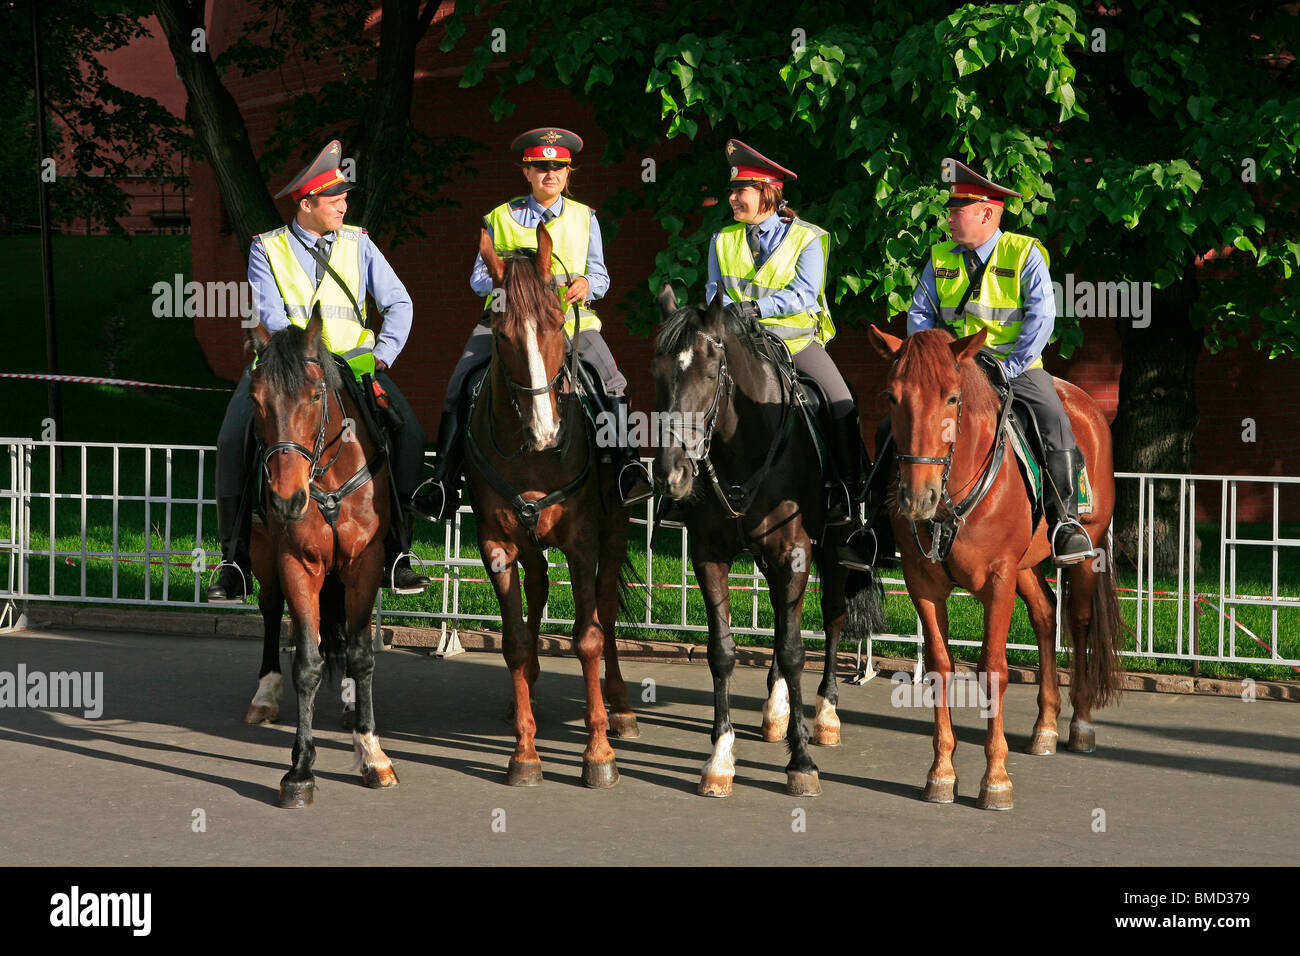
column 1176, row 780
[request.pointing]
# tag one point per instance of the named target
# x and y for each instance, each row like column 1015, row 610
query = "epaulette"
column 519, row 203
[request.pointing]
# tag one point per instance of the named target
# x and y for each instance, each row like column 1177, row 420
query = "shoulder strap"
column 324, row 263
column 974, row 283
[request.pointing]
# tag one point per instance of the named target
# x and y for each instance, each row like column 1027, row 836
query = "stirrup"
column 851, row 551
column 1078, row 556
column 838, row 495
column 432, row 515
column 664, row 510
column 242, row 577
column 392, row 575
column 643, row 475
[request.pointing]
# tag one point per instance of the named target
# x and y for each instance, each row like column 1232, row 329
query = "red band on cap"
column 976, row 191
column 756, row 174
column 546, row 154
column 317, row 183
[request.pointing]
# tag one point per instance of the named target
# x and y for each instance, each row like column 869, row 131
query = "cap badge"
column 549, row 152
column 734, row 172
column 550, row 136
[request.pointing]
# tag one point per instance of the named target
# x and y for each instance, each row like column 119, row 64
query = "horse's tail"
column 1097, row 669
column 333, row 629
column 630, row 588
column 864, row 612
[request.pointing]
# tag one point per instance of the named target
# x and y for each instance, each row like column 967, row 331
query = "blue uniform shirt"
column 1035, row 291
column 377, row 277
column 809, row 274
column 528, row 216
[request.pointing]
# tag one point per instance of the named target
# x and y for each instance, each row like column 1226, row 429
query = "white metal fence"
column 125, row 524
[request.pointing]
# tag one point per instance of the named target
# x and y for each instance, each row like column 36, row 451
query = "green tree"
column 1130, row 153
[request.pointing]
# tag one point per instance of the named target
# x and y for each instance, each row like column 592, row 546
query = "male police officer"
column 1013, row 300
column 313, row 260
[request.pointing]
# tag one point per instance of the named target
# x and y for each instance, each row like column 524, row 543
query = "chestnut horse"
column 750, row 482
column 945, row 412
column 326, row 503
column 535, row 480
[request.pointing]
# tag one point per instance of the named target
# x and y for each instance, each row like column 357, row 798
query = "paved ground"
column 1181, row 780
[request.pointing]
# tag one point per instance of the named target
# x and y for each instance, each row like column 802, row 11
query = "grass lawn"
column 106, row 328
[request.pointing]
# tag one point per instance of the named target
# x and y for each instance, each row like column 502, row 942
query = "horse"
column 718, row 380
column 322, row 549
column 535, row 480
column 997, row 549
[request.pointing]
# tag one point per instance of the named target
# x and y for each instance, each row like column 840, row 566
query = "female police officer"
column 579, row 268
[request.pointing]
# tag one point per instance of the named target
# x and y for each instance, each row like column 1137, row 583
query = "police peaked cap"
column 321, row 177
column 967, row 186
column 547, row 144
column 749, row 166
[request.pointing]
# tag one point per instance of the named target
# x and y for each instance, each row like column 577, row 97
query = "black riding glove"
column 743, row 310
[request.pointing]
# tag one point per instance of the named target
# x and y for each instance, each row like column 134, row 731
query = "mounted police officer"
column 771, row 266
column 1014, row 301
column 317, row 259
column 578, row 265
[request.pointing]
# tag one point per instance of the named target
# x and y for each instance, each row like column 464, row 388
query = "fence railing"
column 125, row 524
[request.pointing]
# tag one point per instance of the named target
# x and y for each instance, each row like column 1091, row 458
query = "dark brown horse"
column 535, row 480
column 944, row 410
column 746, row 468
column 326, row 501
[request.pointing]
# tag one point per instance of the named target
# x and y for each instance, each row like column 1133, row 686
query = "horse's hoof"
column 803, row 783
column 379, row 778
column 827, row 736
column 715, row 785
column 774, row 729
column 1043, row 744
column 1083, row 740
column 599, row 776
column 624, row 725
column 524, row 773
column 262, row 714
column 940, row 790
column 294, row 795
column 349, row 720
column 996, row 797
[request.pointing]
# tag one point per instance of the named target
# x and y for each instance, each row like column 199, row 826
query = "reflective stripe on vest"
column 998, row 306
column 745, row 283
column 570, row 232
column 343, row 334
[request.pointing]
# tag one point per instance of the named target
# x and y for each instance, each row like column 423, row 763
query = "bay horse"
column 945, row 457
column 718, row 382
column 535, row 481
column 322, row 549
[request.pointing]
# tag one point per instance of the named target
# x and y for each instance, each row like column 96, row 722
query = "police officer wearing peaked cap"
column 770, row 265
column 578, row 265
column 288, row 280
column 1016, row 305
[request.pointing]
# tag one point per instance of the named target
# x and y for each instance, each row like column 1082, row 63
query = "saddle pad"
column 1034, row 474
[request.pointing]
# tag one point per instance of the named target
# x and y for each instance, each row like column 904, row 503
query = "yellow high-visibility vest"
column 343, row 334
column 570, row 232
column 998, row 305
column 745, row 282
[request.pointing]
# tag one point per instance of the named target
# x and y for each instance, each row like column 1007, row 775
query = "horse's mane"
column 526, row 294
column 680, row 328
column 925, row 359
column 284, row 364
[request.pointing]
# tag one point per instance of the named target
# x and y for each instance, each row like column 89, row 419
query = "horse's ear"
column 314, row 328
column 544, row 249
column 885, row 344
column 716, row 313
column 667, row 300
column 966, row 348
column 256, row 338
column 495, row 267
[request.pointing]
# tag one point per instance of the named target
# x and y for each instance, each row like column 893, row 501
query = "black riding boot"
column 844, row 490
column 873, row 544
column 439, row 497
column 234, row 574
column 399, row 576
column 1070, row 542
column 633, row 479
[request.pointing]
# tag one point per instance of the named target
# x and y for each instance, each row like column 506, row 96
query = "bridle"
column 723, row 388
column 313, row 456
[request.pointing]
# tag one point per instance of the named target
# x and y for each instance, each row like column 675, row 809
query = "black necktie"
column 755, row 247
column 548, row 215
column 323, row 248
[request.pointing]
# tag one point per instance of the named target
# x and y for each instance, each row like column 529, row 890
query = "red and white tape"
column 88, row 380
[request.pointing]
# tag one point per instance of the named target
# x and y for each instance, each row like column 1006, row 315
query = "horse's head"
column 290, row 389
column 690, row 374
column 925, row 392
column 527, row 336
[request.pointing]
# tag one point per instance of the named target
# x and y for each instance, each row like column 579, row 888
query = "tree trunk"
column 218, row 124
column 1157, row 419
